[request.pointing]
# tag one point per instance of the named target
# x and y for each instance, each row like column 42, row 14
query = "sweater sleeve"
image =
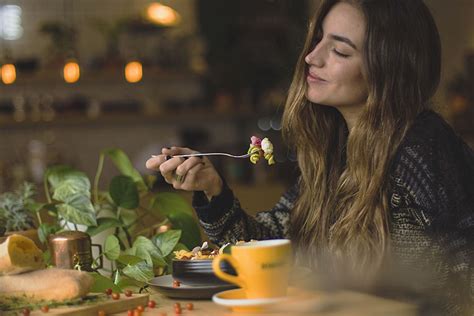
column 435, row 176
column 223, row 219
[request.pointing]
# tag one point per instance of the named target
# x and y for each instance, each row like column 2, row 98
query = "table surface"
column 313, row 303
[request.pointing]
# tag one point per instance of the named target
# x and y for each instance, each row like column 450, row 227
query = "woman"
column 385, row 184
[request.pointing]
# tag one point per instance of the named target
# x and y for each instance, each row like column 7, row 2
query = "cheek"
column 351, row 80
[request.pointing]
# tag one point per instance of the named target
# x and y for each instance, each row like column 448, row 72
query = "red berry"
column 189, row 306
column 101, row 313
column 128, row 293
column 108, row 291
column 163, row 314
column 130, row 312
column 178, row 311
column 177, row 305
column 136, row 312
column 140, row 308
column 45, row 308
column 151, row 303
column 26, row 312
column 176, row 283
column 115, row 296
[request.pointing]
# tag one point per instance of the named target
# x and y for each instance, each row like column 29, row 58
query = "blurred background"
column 79, row 76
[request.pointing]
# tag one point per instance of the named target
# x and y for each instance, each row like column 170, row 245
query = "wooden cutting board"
column 109, row 306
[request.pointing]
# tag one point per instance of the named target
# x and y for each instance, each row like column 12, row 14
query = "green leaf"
column 71, row 187
column 167, row 241
column 180, row 246
column 124, row 165
column 128, row 282
column 35, row 207
column 191, row 235
column 140, row 271
column 146, row 249
column 180, row 213
column 77, row 209
column 117, row 277
column 102, row 283
column 112, row 247
column 164, row 203
column 128, row 217
column 103, row 224
column 123, row 192
column 56, row 175
column 129, row 259
column 45, row 229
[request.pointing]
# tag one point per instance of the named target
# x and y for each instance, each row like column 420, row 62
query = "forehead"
column 346, row 20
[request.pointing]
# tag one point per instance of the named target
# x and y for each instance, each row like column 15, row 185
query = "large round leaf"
column 56, row 175
column 191, row 235
column 125, row 166
column 77, row 209
column 112, row 248
column 124, row 192
column 164, row 203
column 140, row 271
column 167, row 241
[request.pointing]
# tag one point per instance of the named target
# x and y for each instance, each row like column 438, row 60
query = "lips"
column 314, row 77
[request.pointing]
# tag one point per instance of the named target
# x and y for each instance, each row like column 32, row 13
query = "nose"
column 315, row 57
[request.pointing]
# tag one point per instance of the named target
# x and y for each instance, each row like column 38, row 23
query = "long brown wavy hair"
column 342, row 209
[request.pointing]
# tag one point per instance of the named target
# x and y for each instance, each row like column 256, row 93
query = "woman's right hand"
column 189, row 174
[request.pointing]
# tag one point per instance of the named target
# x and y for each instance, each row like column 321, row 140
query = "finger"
column 171, row 151
column 192, row 181
column 168, row 168
column 155, row 161
column 187, row 165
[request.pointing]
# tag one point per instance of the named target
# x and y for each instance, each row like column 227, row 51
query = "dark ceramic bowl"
column 199, row 272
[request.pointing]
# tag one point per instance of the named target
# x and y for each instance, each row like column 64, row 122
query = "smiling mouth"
column 314, row 78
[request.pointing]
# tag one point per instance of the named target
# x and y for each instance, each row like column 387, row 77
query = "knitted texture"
column 431, row 216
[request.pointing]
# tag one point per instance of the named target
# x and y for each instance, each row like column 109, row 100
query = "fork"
column 210, row 154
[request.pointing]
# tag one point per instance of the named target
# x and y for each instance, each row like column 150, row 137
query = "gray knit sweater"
column 431, row 213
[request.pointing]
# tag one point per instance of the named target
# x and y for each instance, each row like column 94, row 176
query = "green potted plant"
column 130, row 210
column 17, row 209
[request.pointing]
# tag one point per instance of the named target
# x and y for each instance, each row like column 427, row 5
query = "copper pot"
column 72, row 249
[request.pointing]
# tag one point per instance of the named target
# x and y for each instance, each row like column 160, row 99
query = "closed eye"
column 340, row 54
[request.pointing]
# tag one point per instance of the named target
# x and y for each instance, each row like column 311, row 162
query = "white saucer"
column 236, row 300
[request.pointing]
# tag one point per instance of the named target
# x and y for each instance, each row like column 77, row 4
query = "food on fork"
column 261, row 148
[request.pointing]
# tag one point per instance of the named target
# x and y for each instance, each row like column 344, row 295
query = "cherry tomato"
column 130, row 312
column 136, row 312
column 26, row 312
column 176, row 283
column 45, row 308
column 163, row 314
column 177, row 305
column 128, row 293
column 140, row 308
column 100, row 313
column 115, row 296
column 189, row 306
column 151, row 303
column 178, row 310
column 108, row 291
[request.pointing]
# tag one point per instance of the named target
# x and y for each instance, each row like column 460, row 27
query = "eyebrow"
column 343, row 39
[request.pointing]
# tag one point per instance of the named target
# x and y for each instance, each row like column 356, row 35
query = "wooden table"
column 333, row 304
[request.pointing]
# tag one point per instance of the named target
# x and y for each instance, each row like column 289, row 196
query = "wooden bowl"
column 199, row 272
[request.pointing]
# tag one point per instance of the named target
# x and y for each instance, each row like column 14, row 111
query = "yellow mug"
column 262, row 267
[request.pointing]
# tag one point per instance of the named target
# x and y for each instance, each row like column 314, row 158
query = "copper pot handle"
column 101, row 258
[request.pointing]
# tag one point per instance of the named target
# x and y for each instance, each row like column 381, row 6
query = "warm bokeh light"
column 71, row 72
column 133, row 71
column 162, row 14
column 8, row 73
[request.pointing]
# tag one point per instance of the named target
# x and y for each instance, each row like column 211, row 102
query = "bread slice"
column 19, row 254
column 47, row 284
